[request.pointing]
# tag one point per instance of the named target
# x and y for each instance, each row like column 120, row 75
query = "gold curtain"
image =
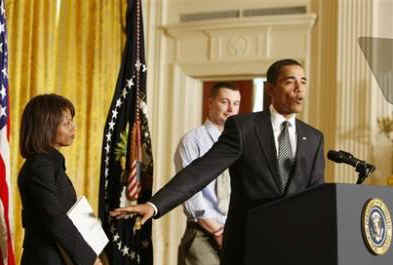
column 72, row 48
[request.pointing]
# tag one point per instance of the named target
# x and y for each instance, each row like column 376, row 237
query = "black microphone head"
column 335, row 156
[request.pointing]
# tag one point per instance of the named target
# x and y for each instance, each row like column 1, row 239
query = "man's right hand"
column 219, row 240
column 145, row 210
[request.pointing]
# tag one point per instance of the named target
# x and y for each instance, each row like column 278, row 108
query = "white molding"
column 211, row 71
column 239, row 47
column 306, row 20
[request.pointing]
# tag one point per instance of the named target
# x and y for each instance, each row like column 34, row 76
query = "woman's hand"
column 145, row 210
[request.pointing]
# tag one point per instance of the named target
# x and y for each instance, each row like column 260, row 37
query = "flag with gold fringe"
column 127, row 163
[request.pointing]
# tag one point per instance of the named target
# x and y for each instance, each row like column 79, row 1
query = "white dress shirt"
column 277, row 119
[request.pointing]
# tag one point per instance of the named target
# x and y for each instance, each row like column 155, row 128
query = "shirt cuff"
column 204, row 214
column 154, row 207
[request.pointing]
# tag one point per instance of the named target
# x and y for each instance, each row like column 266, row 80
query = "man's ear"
column 209, row 101
column 268, row 88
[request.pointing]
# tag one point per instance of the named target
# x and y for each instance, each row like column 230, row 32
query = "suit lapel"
column 265, row 135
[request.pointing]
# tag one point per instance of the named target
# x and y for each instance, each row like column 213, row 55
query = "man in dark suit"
column 270, row 155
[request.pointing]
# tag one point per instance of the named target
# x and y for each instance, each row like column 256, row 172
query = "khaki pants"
column 198, row 247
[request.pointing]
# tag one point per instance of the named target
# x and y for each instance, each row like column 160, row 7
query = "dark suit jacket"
column 247, row 147
column 47, row 194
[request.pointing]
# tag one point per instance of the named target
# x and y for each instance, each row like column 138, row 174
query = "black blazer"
column 247, row 147
column 47, row 194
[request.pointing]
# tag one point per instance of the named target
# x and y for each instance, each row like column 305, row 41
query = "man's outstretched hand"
column 145, row 210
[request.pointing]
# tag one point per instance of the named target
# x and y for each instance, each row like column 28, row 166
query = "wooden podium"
column 331, row 224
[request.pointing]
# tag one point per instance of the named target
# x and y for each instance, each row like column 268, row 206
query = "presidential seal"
column 377, row 226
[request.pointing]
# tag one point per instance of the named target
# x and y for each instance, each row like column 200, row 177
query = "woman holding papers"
column 46, row 191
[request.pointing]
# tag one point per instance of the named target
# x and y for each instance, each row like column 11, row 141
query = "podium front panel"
column 319, row 226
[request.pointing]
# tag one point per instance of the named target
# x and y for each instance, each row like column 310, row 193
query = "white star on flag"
column 125, row 92
column 107, row 148
column 130, row 83
column 5, row 73
column 114, row 113
column 3, row 91
column 111, row 125
column 125, row 250
column 118, row 103
column 3, row 111
column 108, row 136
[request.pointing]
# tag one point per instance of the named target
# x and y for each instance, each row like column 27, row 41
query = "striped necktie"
column 285, row 155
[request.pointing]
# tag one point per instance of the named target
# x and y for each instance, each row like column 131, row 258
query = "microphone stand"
column 364, row 171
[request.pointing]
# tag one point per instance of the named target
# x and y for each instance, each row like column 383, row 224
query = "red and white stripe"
column 6, row 213
column 134, row 186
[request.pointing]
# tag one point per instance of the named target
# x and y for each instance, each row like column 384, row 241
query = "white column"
column 353, row 85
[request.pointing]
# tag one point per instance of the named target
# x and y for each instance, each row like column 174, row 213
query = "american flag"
column 127, row 162
column 6, row 249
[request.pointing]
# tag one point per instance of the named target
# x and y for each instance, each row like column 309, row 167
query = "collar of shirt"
column 212, row 129
column 276, row 120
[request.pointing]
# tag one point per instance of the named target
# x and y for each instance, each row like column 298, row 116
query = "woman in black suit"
column 46, row 191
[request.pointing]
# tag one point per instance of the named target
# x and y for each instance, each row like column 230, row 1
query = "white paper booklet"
column 82, row 215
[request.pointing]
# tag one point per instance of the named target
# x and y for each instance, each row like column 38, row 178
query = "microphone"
column 361, row 166
column 343, row 157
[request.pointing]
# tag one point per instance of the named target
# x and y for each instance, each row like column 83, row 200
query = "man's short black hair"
column 274, row 70
column 214, row 90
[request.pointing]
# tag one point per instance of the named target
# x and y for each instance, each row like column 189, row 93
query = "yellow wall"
column 72, row 48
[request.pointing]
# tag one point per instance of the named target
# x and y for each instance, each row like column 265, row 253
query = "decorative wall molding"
column 205, row 49
column 288, row 20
